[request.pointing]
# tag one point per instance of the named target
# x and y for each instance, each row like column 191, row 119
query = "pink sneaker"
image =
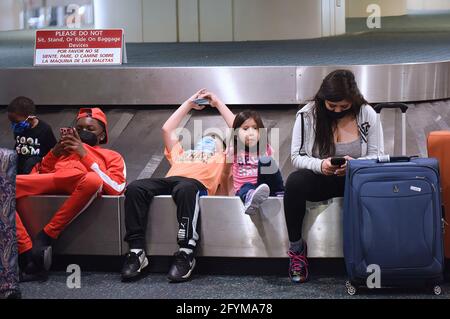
column 298, row 266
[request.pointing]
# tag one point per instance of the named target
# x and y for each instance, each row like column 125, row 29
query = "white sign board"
column 79, row 47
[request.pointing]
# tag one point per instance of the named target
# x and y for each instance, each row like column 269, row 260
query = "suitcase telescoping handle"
column 403, row 107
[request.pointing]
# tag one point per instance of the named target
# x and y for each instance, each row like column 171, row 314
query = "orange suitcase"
column 439, row 147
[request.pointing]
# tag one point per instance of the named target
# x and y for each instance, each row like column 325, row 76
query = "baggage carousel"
column 390, row 66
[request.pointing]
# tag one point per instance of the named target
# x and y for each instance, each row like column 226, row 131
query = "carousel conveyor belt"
column 135, row 132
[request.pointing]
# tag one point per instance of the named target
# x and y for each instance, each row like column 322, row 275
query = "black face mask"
column 88, row 138
column 338, row 115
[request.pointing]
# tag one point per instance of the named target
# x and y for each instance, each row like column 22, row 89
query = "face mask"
column 88, row 138
column 207, row 145
column 338, row 115
column 20, row 127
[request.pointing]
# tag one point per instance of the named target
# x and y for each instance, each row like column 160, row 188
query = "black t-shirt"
column 32, row 145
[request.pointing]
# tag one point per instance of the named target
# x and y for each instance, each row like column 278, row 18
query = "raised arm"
column 168, row 129
column 223, row 109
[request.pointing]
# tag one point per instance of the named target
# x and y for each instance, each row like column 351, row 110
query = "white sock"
column 137, row 251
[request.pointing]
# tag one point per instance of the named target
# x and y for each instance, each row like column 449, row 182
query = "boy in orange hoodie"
column 76, row 166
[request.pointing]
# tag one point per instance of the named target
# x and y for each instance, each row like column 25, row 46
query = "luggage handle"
column 395, row 159
column 402, row 106
column 378, row 108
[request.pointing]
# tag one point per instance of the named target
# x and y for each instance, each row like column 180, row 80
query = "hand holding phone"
column 201, row 101
column 66, row 131
column 338, row 161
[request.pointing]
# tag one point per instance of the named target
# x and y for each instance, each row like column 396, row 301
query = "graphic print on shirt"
column 28, row 146
column 191, row 156
column 247, row 165
column 364, row 130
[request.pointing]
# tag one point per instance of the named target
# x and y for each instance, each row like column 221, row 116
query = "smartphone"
column 65, row 131
column 201, row 101
column 338, row 161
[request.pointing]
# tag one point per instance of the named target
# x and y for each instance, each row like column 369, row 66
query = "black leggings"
column 305, row 185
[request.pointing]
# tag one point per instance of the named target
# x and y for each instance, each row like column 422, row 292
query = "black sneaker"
column 11, row 294
column 133, row 265
column 38, row 277
column 182, row 267
column 42, row 251
column 32, row 273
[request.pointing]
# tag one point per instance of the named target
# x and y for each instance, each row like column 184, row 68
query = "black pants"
column 25, row 164
column 305, row 185
column 185, row 193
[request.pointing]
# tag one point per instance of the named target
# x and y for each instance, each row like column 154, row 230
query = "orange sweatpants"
column 82, row 187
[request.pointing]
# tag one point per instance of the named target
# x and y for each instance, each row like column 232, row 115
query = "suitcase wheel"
column 351, row 290
column 437, row 290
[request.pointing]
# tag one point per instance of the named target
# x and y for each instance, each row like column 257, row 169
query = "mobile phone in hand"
column 201, row 101
column 338, row 161
column 66, row 131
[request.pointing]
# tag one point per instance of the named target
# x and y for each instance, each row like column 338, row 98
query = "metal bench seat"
column 225, row 231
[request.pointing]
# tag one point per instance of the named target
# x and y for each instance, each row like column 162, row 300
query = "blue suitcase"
column 393, row 220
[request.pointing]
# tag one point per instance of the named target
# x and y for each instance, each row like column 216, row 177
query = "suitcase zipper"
column 443, row 221
column 389, row 179
column 423, row 178
column 387, row 166
column 428, row 181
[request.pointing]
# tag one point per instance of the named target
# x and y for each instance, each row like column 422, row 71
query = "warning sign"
column 79, row 47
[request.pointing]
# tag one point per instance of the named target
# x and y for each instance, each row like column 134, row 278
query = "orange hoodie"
column 108, row 164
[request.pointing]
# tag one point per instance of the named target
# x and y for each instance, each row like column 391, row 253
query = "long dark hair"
column 337, row 86
column 239, row 120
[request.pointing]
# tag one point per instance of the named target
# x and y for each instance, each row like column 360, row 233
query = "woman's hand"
column 342, row 170
column 73, row 144
column 327, row 168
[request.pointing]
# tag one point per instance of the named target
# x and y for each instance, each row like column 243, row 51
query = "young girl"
column 255, row 174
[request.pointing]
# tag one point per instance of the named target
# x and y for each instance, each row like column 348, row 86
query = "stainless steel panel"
column 162, row 228
column 158, row 86
column 95, row 232
column 384, row 83
column 235, row 85
column 323, row 229
column 226, row 231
